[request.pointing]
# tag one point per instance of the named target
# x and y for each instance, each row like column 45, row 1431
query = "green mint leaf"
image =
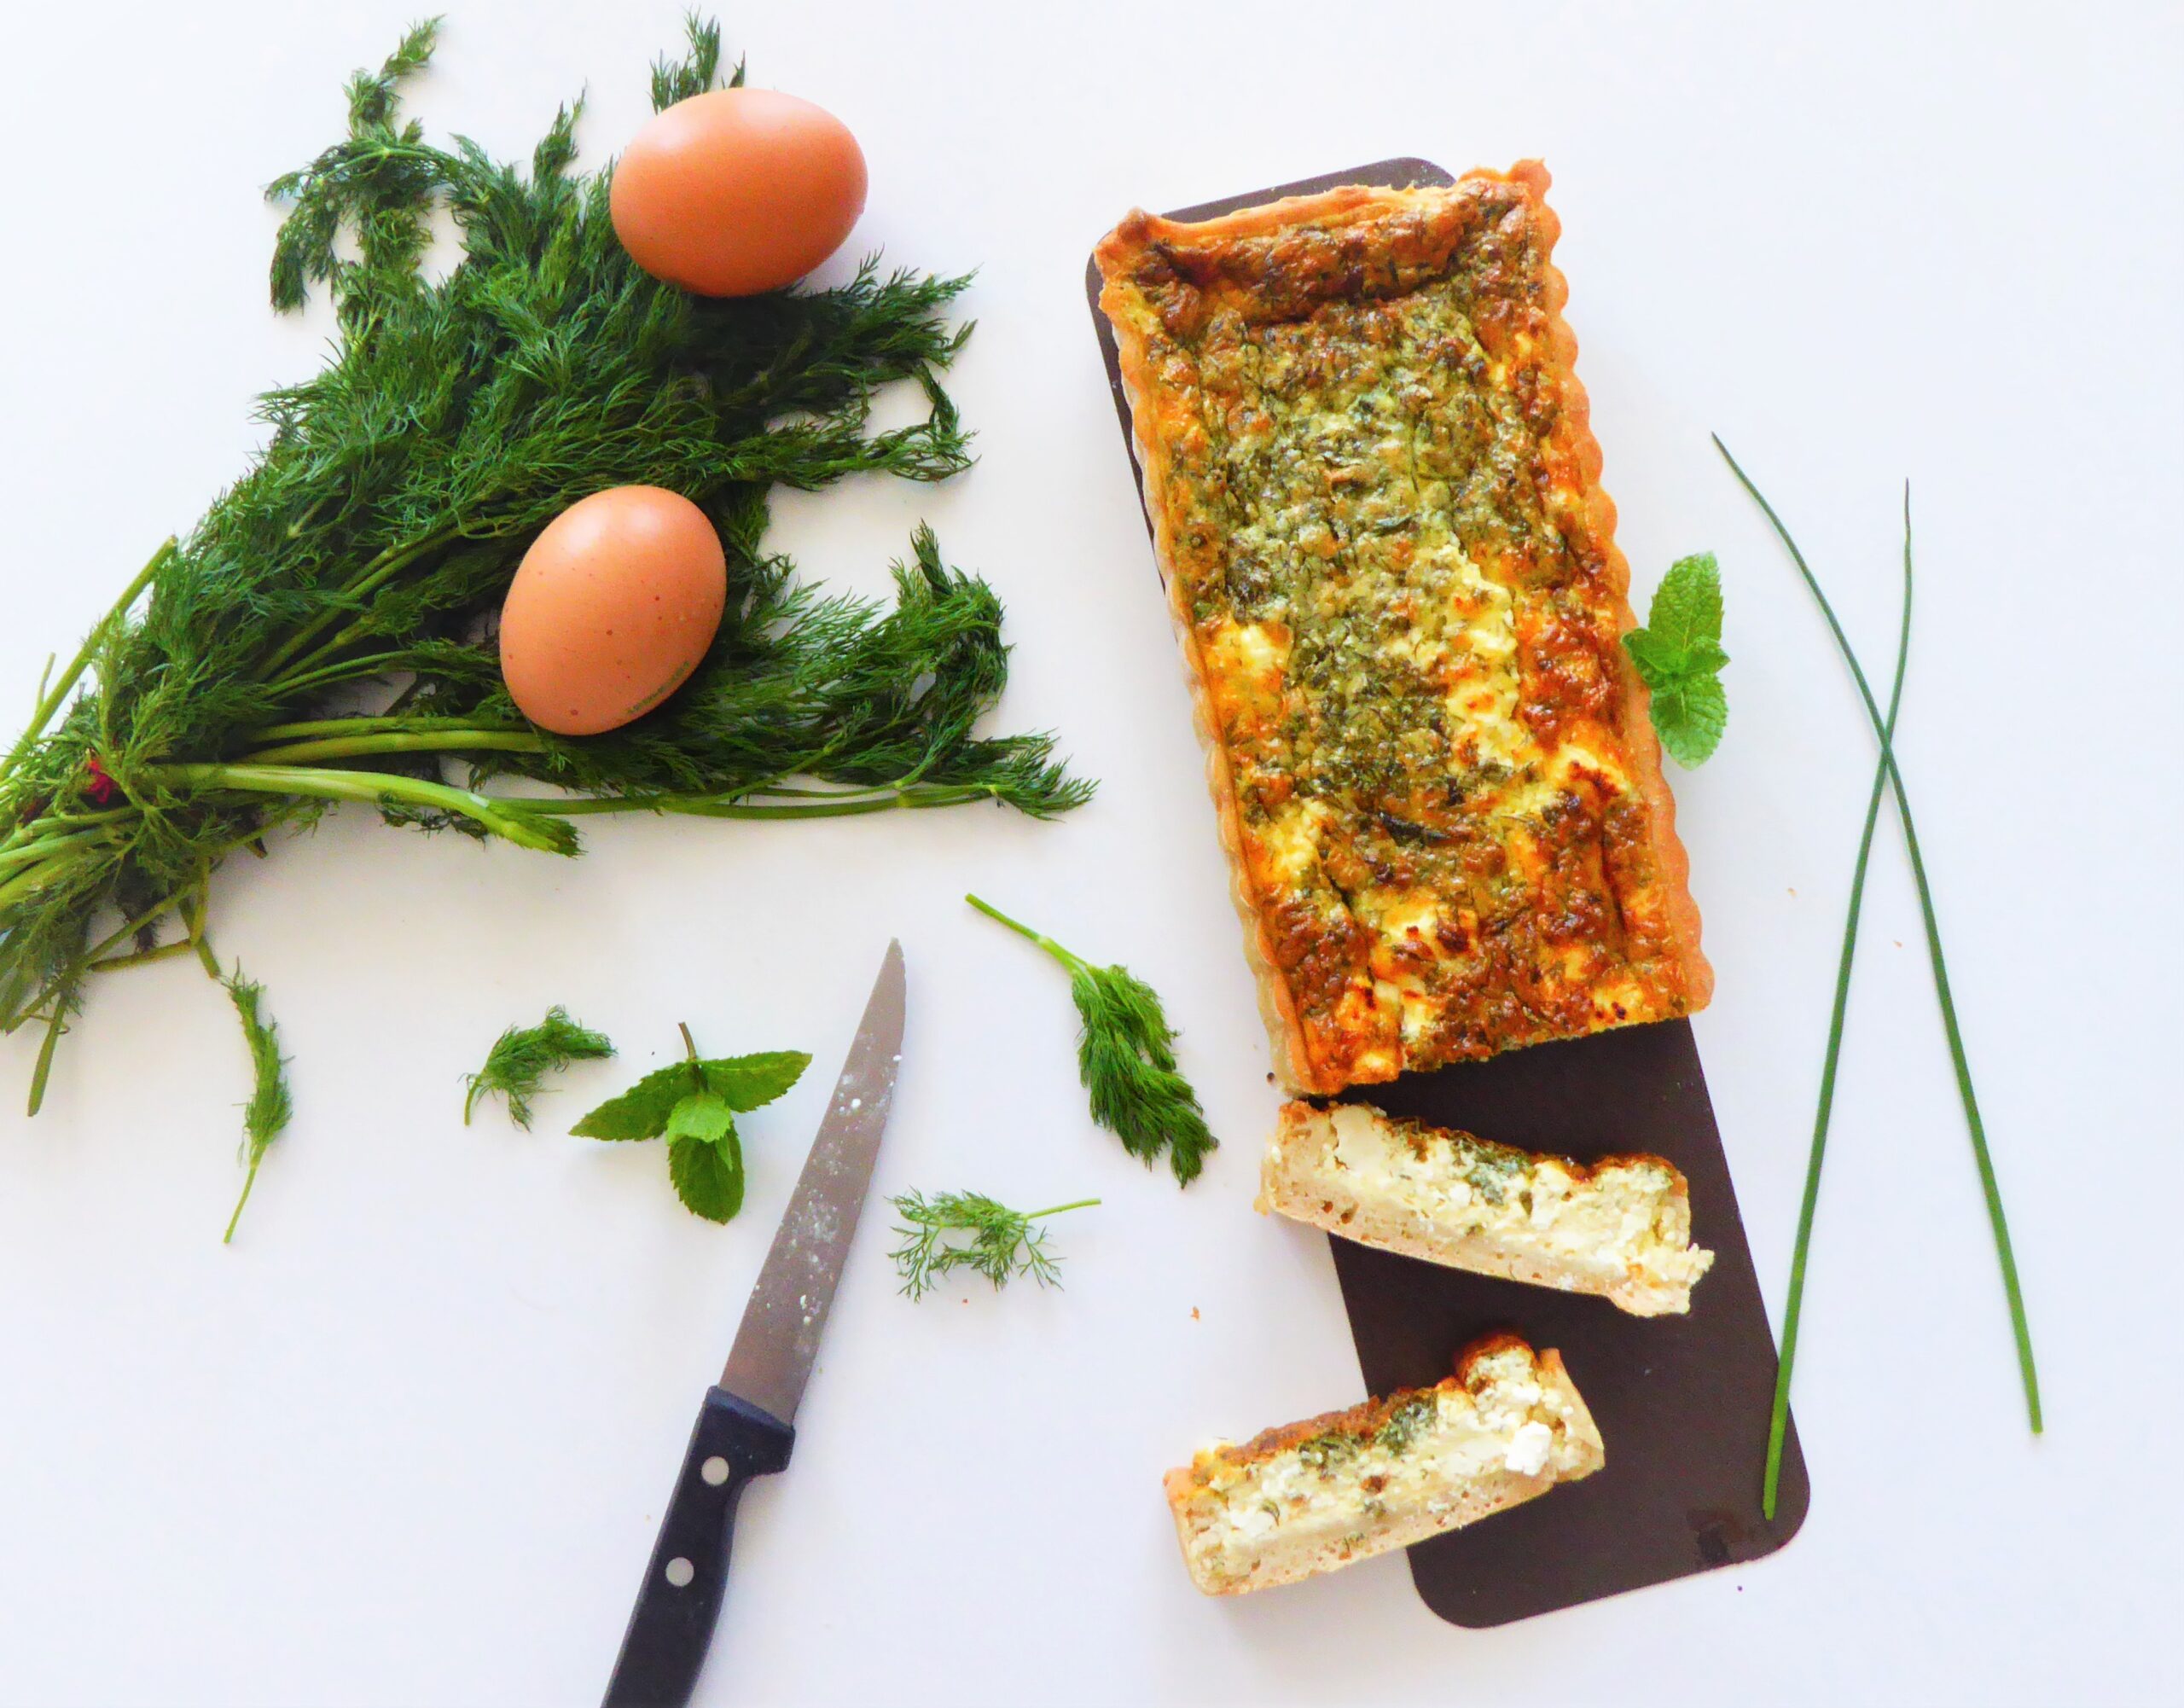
column 703, row 1116
column 1679, row 657
column 1660, row 662
column 708, row 1178
column 1690, row 719
column 1687, row 606
column 1704, row 657
column 748, row 1081
column 641, row 1112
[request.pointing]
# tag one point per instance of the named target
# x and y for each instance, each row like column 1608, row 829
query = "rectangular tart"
column 1311, row 1496
column 1619, row 1228
column 1374, row 498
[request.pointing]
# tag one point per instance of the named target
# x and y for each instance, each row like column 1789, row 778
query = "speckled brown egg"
column 612, row 609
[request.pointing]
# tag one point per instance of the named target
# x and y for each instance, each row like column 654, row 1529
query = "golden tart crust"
column 1375, row 500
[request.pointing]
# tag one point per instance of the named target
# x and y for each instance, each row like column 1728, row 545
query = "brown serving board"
column 1681, row 1401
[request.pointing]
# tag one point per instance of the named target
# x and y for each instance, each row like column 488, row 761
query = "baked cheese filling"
column 1408, row 625
column 1621, row 1227
column 1422, row 1462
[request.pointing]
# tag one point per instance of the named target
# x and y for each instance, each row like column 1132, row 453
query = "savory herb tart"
column 1374, row 496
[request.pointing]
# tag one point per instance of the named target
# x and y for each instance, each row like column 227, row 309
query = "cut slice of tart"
column 1620, row 1227
column 1333, row 1489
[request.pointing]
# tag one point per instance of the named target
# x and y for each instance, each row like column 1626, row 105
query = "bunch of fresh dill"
column 322, row 634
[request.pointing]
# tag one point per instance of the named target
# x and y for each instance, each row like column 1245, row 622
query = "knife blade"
column 744, row 1428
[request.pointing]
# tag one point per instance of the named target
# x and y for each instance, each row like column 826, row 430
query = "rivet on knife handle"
column 672, row 1624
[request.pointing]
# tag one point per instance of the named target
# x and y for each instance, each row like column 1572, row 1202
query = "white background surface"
column 405, row 1442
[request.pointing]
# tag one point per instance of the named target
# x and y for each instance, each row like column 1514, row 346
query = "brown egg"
column 738, row 191
column 612, row 609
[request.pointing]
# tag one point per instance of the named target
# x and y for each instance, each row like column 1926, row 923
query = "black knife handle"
column 672, row 1623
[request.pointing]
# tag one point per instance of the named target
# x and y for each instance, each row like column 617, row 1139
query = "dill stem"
column 370, row 787
column 29, row 853
column 402, row 741
column 162, row 952
column 54, row 1028
column 375, row 574
column 50, row 701
column 1022, row 930
column 47, row 871
column 1040, row 1214
column 249, row 1180
column 758, row 802
column 311, row 729
column 1990, row 1187
column 370, row 663
column 1779, row 1417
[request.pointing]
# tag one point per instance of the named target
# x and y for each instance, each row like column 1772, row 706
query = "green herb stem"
column 56, row 1024
column 1072, row 962
column 455, row 741
column 1778, row 1420
column 758, row 804
column 162, row 951
column 1990, row 1187
column 31, row 853
column 549, row 834
column 50, row 701
column 373, row 575
column 47, row 871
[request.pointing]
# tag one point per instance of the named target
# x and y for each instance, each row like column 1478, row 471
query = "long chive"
column 1989, row 1186
column 1778, row 1420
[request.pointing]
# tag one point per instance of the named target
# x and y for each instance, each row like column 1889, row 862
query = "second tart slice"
column 1620, row 1228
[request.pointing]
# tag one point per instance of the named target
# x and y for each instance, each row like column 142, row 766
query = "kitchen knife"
column 744, row 1429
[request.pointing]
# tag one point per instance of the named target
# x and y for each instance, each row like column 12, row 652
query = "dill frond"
column 522, row 1057
column 1126, row 1059
column 268, row 1111
column 968, row 1230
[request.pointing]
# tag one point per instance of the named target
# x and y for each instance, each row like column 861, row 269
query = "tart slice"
column 1329, row 1491
column 1620, row 1227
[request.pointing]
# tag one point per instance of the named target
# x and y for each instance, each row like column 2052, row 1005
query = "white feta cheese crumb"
column 1529, row 1449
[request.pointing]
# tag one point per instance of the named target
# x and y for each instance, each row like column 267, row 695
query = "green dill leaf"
column 674, row 80
column 1407, row 1422
column 1126, row 1060
column 703, row 1116
column 522, row 1057
column 268, row 1111
column 968, row 1230
column 745, row 1082
column 708, row 1178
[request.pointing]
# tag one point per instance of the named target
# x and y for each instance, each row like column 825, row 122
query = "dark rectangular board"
column 1681, row 1401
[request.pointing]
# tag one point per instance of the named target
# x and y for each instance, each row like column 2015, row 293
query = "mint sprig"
column 1679, row 658
column 693, row 1104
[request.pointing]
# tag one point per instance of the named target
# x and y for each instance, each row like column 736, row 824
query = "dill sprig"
column 324, row 632
column 968, row 1230
column 267, row 1112
column 1886, row 771
column 522, row 1057
column 1126, row 1058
